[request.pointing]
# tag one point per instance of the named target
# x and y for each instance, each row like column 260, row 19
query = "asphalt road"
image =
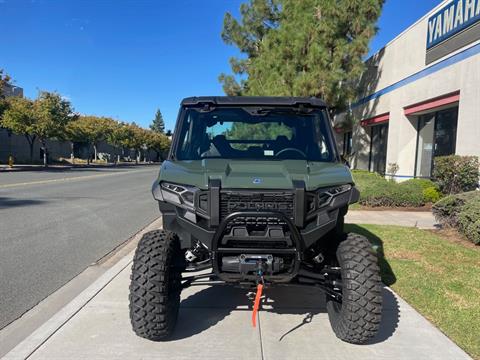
column 54, row 224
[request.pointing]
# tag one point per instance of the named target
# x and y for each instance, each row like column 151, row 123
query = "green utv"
column 254, row 194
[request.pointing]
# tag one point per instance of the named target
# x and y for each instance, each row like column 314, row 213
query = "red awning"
column 376, row 119
column 432, row 103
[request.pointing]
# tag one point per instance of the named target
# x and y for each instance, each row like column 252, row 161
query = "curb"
column 35, row 340
column 18, row 168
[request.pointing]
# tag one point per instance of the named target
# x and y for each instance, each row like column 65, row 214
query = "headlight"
column 340, row 189
column 323, row 199
column 178, row 194
column 326, row 195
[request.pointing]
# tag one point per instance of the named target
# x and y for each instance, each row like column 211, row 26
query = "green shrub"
column 428, row 188
column 376, row 191
column 455, row 173
column 364, row 177
column 447, row 209
column 423, row 183
column 377, row 194
column 461, row 211
column 407, row 195
column 431, row 194
column 469, row 220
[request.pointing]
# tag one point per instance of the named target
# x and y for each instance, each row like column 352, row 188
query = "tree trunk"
column 45, row 159
column 136, row 157
column 72, row 155
column 95, row 151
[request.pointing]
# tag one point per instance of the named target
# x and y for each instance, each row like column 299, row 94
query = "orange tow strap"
column 256, row 304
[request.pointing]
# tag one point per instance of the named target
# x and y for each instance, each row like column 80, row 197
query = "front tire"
column 156, row 285
column 356, row 318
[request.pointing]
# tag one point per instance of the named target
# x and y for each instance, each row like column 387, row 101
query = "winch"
column 247, row 264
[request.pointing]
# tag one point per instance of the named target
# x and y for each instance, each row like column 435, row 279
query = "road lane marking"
column 40, row 182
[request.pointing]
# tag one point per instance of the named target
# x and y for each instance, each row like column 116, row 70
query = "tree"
column 5, row 80
column 44, row 118
column 158, row 124
column 158, row 143
column 261, row 131
column 316, row 50
column 259, row 17
column 90, row 129
column 3, row 107
column 20, row 118
column 129, row 136
column 138, row 140
column 53, row 113
column 119, row 136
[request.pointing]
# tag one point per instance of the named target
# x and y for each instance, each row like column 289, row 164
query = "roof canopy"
column 254, row 100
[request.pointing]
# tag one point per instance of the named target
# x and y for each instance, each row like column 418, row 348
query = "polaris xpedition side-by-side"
column 254, row 194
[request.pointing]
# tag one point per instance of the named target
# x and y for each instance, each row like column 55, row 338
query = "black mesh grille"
column 235, row 201
column 278, row 244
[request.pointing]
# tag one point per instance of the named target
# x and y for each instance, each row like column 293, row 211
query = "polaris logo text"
column 233, row 206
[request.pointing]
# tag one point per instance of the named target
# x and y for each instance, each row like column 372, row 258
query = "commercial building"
column 420, row 96
column 12, row 90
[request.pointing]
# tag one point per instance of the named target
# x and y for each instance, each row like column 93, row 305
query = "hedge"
column 455, row 174
column 469, row 220
column 461, row 211
column 430, row 190
column 376, row 191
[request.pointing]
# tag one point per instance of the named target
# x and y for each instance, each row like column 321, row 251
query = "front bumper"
column 293, row 250
column 204, row 224
column 286, row 234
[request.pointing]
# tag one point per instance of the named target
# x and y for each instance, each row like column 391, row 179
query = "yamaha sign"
column 455, row 25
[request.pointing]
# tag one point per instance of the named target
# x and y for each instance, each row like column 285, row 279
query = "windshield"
column 253, row 133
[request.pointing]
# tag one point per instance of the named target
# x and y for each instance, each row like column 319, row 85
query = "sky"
column 124, row 59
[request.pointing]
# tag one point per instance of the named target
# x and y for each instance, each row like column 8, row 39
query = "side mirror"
column 345, row 161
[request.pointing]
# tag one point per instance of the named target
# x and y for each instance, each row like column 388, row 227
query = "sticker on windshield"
column 268, row 152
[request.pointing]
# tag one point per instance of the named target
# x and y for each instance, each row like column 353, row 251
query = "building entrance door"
column 437, row 134
column 446, row 132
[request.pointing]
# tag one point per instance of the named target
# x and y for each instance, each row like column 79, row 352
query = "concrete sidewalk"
column 419, row 219
column 215, row 322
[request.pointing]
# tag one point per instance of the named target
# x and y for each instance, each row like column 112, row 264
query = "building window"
column 378, row 148
column 437, row 134
column 347, row 143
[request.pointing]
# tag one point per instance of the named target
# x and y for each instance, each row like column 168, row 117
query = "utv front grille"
column 275, row 201
column 277, row 244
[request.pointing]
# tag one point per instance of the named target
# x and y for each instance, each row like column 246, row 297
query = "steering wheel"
column 291, row 149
